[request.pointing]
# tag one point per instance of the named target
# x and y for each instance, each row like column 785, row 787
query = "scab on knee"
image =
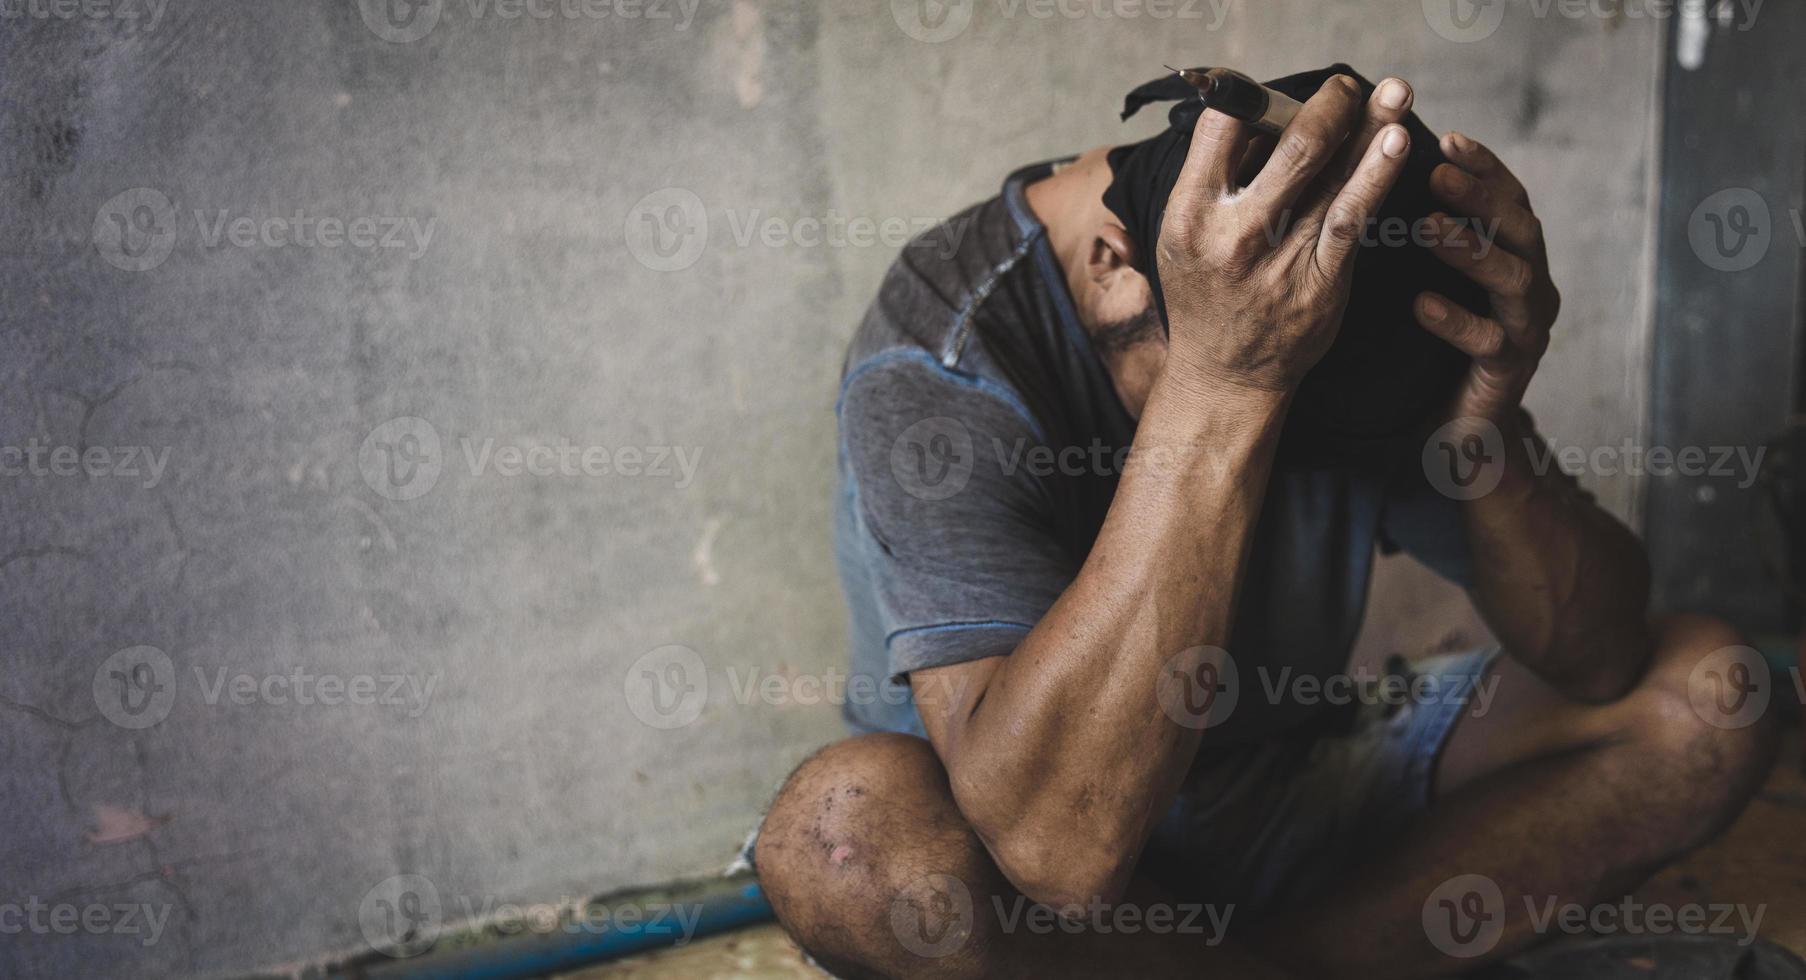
column 839, row 821
column 865, row 858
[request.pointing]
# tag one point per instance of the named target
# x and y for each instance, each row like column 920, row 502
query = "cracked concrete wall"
column 392, row 406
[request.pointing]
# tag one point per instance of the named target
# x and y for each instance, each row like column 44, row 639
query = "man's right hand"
column 1256, row 278
column 1065, row 809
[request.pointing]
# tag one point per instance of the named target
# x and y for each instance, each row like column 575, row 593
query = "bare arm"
column 1562, row 583
column 1059, row 754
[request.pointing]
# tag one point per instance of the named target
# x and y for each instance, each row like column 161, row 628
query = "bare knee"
column 868, row 864
column 1706, row 710
column 828, row 822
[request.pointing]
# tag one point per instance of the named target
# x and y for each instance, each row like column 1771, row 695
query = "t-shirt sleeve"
column 953, row 535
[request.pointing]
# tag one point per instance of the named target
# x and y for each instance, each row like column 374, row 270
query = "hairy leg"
column 1549, row 800
column 872, row 870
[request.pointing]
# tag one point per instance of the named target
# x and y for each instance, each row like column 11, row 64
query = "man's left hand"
column 1497, row 241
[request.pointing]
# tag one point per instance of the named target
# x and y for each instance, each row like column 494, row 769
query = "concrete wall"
column 596, row 275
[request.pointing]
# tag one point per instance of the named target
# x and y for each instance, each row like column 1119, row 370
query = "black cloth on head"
column 1384, row 376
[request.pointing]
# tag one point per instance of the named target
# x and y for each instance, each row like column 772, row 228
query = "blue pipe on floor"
column 535, row 956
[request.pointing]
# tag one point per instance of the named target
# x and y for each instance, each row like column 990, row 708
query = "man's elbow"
column 1053, row 852
column 1606, row 662
column 1064, row 869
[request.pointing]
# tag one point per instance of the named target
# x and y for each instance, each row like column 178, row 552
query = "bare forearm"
column 1062, row 760
column 1562, row 582
column 1068, row 750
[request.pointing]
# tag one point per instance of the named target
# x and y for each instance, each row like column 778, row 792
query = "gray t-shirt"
column 980, row 445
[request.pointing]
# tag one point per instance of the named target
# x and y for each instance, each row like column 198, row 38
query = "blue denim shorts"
column 1261, row 825
column 1264, row 825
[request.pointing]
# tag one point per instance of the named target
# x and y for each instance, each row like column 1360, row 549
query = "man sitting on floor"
column 1112, row 476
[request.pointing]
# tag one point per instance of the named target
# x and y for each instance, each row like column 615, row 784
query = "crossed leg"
column 1551, row 801
column 871, row 868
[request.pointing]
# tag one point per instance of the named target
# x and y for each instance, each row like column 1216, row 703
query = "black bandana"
column 1384, row 376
